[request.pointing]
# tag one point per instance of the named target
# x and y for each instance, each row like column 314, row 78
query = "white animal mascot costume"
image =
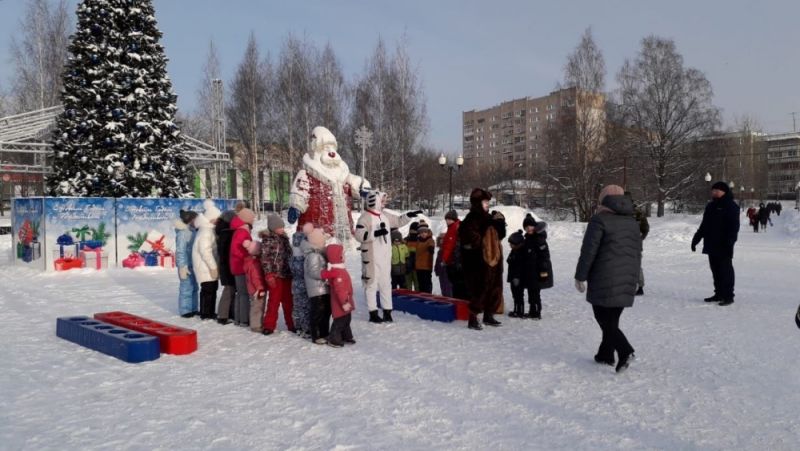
column 372, row 231
column 323, row 191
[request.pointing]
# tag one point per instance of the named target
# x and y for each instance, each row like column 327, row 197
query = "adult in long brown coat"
column 480, row 236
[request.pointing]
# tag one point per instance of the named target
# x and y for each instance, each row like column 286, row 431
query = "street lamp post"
column 450, row 169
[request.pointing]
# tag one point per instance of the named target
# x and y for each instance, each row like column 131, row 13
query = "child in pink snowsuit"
column 342, row 302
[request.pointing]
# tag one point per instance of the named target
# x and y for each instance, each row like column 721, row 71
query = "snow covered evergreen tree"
column 117, row 135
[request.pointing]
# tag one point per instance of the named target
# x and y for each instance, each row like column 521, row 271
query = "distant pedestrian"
column 763, row 216
column 719, row 231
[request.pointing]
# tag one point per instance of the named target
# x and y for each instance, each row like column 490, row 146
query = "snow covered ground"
column 706, row 377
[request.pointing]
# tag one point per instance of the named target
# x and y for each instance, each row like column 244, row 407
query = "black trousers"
column 340, row 331
column 425, row 280
column 534, row 298
column 208, row 299
column 457, row 280
column 320, row 316
column 398, row 281
column 613, row 338
column 724, row 276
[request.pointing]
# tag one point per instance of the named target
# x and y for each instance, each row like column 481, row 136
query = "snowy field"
column 706, row 377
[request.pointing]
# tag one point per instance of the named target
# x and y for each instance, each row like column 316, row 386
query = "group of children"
column 306, row 278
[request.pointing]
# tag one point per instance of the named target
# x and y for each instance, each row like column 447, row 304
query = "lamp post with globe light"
column 450, row 169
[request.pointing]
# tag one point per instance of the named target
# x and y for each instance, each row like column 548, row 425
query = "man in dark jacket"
column 480, row 236
column 763, row 216
column 610, row 259
column 719, row 231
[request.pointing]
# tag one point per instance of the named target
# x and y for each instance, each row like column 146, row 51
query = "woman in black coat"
column 610, row 259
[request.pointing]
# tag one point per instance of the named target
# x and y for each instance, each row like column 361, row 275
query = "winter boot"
column 489, row 320
column 640, row 291
column 189, row 315
column 223, row 321
column 518, row 312
column 725, row 302
column 373, row 317
column 600, row 359
column 387, row 316
column 473, row 323
column 714, row 298
column 624, row 362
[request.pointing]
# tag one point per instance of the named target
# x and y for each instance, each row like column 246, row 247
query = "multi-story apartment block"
column 511, row 137
column 783, row 159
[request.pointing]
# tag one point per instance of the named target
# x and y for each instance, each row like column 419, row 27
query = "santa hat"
column 321, row 138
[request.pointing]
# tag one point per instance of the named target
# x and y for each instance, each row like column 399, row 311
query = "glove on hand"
column 515, row 282
column 183, row 272
column 580, row 286
column 293, row 215
column 414, row 214
column 347, row 307
column 543, row 275
column 382, row 231
column 214, row 273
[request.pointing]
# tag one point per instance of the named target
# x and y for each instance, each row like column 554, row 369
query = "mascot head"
column 375, row 200
column 324, row 148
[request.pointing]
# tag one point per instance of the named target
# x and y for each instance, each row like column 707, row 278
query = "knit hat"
column 397, row 236
column 414, row 226
column 451, row 215
column 609, row 190
column 187, row 216
column 722, row 186
column 274, row 222
column 423, row 229
column 335, row 253
column 316, row 238
column 210, row 211
column 247, row 216
column 516, row 238
column 254, row 248
column 528, row 221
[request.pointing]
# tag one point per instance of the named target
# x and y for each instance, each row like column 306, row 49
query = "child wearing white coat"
column 205, row 259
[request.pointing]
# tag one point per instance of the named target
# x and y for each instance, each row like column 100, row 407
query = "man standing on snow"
column 719, row 231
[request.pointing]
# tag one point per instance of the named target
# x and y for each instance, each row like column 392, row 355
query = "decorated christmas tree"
column 117, row 135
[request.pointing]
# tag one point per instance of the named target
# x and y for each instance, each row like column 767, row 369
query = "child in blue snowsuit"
column 188, row 289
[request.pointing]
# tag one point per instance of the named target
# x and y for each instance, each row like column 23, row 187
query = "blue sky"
column 474, row 54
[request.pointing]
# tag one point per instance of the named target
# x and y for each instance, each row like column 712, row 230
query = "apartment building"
column 783, row 160
column 509, row 138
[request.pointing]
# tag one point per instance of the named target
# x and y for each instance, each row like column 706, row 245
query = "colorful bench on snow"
column 425, row 308
column 461, row 306
column 127, row 345
column 173, row 339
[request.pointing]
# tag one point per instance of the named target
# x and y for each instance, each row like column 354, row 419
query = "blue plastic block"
column 437, row 311
column 124, row 344
column 425, row 308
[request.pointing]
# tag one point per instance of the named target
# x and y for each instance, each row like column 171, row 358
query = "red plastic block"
column 173, row 339
column 462, row 306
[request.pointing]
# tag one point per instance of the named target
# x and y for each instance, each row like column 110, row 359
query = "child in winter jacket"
column 241, row 225
column 256, row 286
column 399, row 260
column 342, row 302
column 300, row 308
column 318, row 297
column 424, row 260
column 184, row 240
column 411, row 244
column 276, row 254
column 516, row 273
column 205, row 258
column 537, row 269
column 440, row 269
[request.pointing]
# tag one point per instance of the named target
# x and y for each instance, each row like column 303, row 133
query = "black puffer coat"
column 611, row 255
column 719, row 229
column 533, row 259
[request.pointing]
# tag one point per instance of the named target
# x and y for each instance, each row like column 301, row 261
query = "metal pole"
column 451, row 187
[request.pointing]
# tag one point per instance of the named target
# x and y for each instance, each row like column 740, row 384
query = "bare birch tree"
column 247, row 112
column 577, row 155
column 667, row 108
column 39, row 54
